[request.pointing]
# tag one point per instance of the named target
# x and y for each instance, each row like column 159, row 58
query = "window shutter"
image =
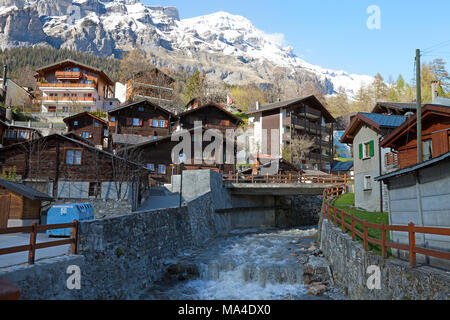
column 361, row 151
column 129, row 121
column 166, row 124
column 140, row 122
column 372, row 148
column 150, row 122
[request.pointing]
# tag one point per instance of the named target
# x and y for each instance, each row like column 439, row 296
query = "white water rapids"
column 248, row 265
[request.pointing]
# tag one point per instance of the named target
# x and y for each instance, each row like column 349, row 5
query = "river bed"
column 252, row 264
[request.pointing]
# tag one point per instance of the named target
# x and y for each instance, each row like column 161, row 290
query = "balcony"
column 309, row 113
column 68, row 74
column 67, row 99
column 66, row 85
column 391, row 160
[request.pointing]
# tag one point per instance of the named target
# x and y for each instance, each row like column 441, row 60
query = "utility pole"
column 419, row 109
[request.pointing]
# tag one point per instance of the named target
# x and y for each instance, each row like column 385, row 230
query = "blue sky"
column 334, row 34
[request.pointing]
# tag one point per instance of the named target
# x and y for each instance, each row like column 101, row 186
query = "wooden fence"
column 33, row 246
column 287, row 178
column 332, row 212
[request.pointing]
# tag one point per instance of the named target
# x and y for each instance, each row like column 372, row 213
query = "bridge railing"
column 348, row 222
column 288, row 178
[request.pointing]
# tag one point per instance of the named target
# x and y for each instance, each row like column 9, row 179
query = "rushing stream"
column 248, row 265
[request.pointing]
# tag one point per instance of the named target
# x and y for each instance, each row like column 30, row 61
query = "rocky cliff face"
column 227, row 47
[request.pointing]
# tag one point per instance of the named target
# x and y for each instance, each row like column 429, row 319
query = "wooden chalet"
column 435, row 136
column 71, row 169
column 395, row 108
column 300, row 117
column 12, row 134
column 143, row 118
column 20, row 205
column 211, row 116
column 153, row 84
column 89, row 127
column 265, row 164
column 157, row 157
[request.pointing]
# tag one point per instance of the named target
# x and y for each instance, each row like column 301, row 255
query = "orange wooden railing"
column 287, row 178
column 391, row 159
column 33, row 246
column 331, row 213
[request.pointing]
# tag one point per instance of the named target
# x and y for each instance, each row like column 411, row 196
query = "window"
column 73, row 156
column 105, row 132
column 112, row 119
column 85, row 134
column 96, row 124
column 427, row 150
column 12, row 134
column 161, row 169
column 95, row 189
column 368, row 183
column 367, row 150
column 136, row 122
column 22, row 134
column 141, row 109
column 75, row 123
column 151, row 166
column 155, row 123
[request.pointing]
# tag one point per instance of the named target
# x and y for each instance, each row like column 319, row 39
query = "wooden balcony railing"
column 32, row 246
column 347, row 222
column 68, row 74
column 391, row 159
column 71, row 99
column 66, row 85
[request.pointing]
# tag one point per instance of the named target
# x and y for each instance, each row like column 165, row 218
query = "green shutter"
column 360, row 151
column 372, row 148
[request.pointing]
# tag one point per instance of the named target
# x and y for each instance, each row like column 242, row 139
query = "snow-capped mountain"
column 228, row 47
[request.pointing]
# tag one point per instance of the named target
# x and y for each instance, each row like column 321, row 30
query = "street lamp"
column 182, row 161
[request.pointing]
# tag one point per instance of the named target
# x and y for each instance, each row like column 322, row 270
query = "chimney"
column 257, row 105
column 434, row 90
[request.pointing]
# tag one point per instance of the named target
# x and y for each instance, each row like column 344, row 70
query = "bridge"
column 283, row 185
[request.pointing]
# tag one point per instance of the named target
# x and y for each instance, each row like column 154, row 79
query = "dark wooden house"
column 266, row 165
column 71, row 169
column 211, row 116
column 142, row 118
column 12, row 134
column 159, row 157
column 20, row 205
column 89, row 127
column 304, row 117
column 435, row 136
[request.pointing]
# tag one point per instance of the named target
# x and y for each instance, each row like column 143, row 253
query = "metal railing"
column 288, row 178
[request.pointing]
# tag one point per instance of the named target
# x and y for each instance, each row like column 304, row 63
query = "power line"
column 436, row 47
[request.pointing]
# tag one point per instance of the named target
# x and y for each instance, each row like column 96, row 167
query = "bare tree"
column 301, row 146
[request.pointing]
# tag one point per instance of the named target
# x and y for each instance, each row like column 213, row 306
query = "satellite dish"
column 182, row 158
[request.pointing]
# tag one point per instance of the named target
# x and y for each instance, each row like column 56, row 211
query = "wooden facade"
column 89, row 127
column 153, row 84
column 157, row 157
column 11, row 134
column 435, row 136
column 211, row 116
column 20, row 203
column 142, row 118
column 57, row 158
column 295, row 118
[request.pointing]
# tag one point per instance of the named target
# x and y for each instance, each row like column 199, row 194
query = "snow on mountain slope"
column 109, row 27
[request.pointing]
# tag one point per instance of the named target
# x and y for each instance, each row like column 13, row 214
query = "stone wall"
column 349, row 263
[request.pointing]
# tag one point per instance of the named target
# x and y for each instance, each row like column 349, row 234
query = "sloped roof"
column 24, row 190
column 374, row 120
column 70, row 61
column 214, row 105
column 129, row 139
column 342, row 166
column 288, row 103
column 82, row 114
column 401, row 106
column 390, row 140
column 385, row 121
column 132, row 104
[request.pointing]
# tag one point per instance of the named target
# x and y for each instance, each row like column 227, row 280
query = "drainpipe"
column 380, row 173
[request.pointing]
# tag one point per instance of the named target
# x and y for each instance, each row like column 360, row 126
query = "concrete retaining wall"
column 349, row 263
